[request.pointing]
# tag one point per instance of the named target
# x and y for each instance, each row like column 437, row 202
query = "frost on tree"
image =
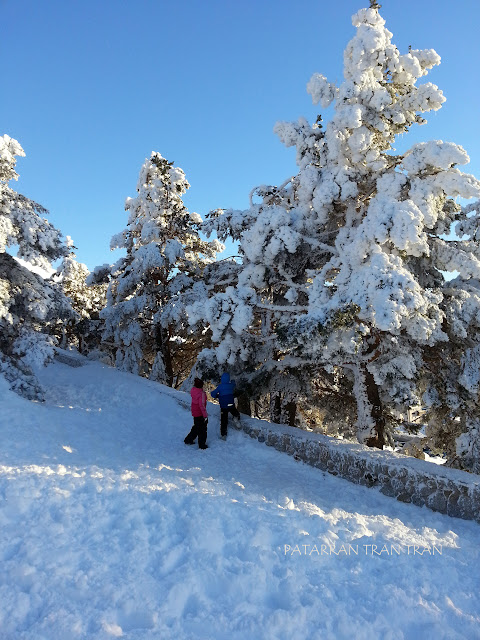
column 243, row 311
column 347, row 258
column 82, row 331
column 145, row 321
column 246, row 316
column 380, row 307
column 453, row 393
column 30, row 307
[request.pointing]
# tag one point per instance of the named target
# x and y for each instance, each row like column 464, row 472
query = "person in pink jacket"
column 200, row 416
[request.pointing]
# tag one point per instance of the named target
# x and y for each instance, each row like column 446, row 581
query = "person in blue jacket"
column 224, row 393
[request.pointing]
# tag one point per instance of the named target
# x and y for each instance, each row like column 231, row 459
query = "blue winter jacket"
column 224, row 391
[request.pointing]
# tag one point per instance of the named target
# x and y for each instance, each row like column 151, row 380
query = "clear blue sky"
column 91, row 87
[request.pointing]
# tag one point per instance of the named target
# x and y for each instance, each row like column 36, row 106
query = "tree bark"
column 282, row 412
column 275, row 408
column 164, row 347
column 291, row 411
column 373, row 395
column 243, row 403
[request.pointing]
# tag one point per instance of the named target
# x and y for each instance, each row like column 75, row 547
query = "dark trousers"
column 224, row 417
column 199, row 429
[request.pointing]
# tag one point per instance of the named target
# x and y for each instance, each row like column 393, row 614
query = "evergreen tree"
column 380, row 304
column 30, row 307
column 144, row 318
column 347, row 259
column 452, row 385
column 243, row 315
column 246, row 317
column 84, row 330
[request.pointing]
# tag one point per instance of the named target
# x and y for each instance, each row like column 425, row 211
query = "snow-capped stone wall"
column 455, row 493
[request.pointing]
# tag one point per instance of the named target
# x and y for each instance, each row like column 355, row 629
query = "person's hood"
column 225, row 377
column 196, row 394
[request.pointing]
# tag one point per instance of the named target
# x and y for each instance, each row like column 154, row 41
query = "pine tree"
column 347, row 258
column 30, row 307
column 165, row 256
column 246, row 317
column 84, row 330
column 243, row 315
column 452, row 386
column 380, row 303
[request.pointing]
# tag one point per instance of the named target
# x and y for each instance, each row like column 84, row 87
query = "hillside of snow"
column 111, row 527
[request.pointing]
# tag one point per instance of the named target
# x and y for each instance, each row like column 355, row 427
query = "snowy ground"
column 111, row 527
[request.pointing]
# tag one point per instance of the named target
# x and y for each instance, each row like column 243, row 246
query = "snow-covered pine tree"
column 30, row 307
column 144, row 318
column 217, row 277
column 83, row 331
column 243, row 315
column 453, row 383
column 380, row 303
column 346, row 258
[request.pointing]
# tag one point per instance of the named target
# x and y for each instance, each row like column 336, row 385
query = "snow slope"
column 111, row 527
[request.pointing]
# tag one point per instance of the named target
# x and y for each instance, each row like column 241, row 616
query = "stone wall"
column 71, row 358
column 455, row 493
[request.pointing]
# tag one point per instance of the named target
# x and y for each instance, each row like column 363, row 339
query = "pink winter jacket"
column 199, row 403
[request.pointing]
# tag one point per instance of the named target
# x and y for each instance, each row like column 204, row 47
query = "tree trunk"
column 164, row 347
column 370, row 417
column 275, row 408
column 373, row 395
column 243, row 404
column 282, row 412
column 291, row 411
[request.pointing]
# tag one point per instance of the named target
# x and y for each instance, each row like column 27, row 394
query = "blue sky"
column 91, row 88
